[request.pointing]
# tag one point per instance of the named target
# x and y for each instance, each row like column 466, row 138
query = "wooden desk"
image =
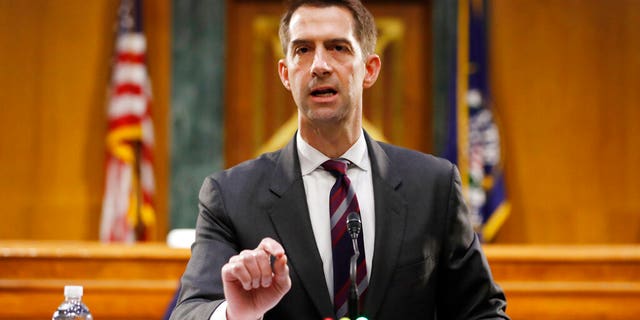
column 137, row 282
column 568, row 282
column 120, row 281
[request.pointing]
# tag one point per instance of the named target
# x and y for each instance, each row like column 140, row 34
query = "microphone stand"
column 353, row 290
column 354, row 225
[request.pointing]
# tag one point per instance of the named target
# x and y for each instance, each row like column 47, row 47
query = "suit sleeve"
column 201, row 290
column 466, row 289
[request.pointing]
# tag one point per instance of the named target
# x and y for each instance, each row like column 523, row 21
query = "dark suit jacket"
column 427, row 261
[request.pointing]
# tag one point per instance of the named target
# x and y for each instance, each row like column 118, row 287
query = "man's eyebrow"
column 297, row 42
column 338, row 40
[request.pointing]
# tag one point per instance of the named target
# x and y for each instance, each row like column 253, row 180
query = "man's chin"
column 325, row 115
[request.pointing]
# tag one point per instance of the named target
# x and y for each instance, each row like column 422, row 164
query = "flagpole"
column 139, row 226
column 462, row 88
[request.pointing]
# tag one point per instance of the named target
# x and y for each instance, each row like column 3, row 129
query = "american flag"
column 128, row 213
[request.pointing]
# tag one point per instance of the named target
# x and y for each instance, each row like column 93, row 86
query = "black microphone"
column 354, row 225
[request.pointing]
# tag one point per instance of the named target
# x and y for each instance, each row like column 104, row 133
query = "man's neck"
column 332, row 141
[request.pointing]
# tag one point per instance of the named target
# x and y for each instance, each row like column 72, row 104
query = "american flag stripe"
column 131, row 57
column 130, row 88
column 128, row 104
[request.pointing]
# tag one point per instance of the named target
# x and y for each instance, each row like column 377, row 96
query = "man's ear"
column 283, row 71
column 372, row 70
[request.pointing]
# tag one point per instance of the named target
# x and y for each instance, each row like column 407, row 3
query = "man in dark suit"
column 265, row 245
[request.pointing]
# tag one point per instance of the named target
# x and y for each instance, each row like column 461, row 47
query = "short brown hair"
column 364, row 25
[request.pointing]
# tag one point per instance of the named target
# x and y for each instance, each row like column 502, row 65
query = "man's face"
column 324, row 68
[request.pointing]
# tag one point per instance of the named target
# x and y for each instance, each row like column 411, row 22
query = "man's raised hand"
column 251, row 286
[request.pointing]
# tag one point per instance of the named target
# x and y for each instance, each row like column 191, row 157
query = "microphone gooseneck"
column 354, row 226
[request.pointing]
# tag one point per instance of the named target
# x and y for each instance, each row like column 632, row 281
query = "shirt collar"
column 311, row 158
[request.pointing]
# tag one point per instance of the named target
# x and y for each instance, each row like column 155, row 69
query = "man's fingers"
column 278, row 261
column 266, row 274
column 281, row 273
column 253, row 268
column 280, row 266
column 271, row 246
column 251, row 260
column 258, row 267
column 235, row 270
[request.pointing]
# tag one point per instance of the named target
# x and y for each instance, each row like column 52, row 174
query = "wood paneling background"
column 55, row 61
column 566, row 84
column 565, row 77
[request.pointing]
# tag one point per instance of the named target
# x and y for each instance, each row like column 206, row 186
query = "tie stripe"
column 342, row 201
column 342, row 205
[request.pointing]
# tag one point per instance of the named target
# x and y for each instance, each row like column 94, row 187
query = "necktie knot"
column 336, row 167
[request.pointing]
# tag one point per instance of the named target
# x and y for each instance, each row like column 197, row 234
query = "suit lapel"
column 391, row 212
column 290, row 217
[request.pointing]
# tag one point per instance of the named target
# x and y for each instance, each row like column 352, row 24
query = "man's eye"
column 340, row 48
column 302, row 50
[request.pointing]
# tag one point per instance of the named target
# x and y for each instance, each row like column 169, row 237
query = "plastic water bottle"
column 72, row 308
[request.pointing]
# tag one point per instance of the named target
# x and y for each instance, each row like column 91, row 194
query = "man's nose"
column 321, row 66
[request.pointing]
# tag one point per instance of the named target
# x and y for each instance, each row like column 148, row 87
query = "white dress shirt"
column 317, row 187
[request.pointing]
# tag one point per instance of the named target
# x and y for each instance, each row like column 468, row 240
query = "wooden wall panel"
column 55, row 71
column 157, row 26
column 565, row 83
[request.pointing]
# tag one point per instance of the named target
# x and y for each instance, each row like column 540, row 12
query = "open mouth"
column 323, row 92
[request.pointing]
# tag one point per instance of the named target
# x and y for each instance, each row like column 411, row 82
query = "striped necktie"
column 342, row 201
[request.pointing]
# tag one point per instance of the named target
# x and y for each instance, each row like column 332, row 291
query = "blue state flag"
column 473, row 138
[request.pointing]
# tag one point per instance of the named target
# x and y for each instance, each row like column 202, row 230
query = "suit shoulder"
column 416, row 159
column 253, row 168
